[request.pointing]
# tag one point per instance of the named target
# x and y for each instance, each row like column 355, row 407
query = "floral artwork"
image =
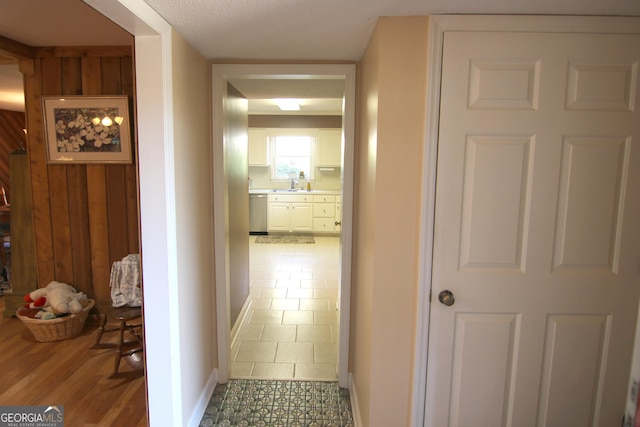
column 87, row 129
column 76, row 132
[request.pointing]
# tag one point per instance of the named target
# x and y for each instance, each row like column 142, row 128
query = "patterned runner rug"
column 278, row 403
column 286, row 239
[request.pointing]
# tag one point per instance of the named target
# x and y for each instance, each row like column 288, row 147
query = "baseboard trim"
column 355, row 407
column 201, row 406
column 241, row 316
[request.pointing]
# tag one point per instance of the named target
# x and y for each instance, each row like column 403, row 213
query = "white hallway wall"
column 173, row 124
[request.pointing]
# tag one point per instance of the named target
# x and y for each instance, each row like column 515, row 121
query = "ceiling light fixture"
column 287, row 104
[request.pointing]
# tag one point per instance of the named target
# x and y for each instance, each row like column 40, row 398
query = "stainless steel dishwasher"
column 257, row 213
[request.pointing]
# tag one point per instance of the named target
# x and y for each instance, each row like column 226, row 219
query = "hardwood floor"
column 67, row 373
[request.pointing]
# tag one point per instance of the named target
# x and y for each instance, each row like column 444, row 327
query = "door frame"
column 221, row 73
column 438, row 25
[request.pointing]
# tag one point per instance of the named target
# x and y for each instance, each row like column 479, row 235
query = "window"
column 292, row 154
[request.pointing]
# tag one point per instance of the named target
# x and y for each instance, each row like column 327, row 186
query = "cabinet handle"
column 338, row 223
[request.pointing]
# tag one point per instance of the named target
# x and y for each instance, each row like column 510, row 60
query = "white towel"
column 125, row 282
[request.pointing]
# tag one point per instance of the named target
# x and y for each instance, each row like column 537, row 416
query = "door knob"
column 446, row 298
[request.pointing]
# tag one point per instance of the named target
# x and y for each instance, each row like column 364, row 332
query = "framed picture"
column 87, row 129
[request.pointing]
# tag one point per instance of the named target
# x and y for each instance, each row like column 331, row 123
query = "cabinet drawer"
column 290, row 198
column 323, row 225
column 324, row 210
column 324, row 198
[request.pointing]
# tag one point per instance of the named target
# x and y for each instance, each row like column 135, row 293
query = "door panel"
column 588, row 228
column 536, row 230
column 572, row 379
column 497, row 175
column 486, row 342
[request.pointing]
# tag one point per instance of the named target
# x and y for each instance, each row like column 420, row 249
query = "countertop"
column 270, row 191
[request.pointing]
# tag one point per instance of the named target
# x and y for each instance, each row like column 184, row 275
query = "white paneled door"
column 537, row 230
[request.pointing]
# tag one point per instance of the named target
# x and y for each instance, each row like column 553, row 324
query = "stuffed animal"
column 56, row 297
column 37, row 299
column 65, row 299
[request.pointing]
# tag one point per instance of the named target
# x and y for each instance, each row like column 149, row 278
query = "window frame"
column 274, row 133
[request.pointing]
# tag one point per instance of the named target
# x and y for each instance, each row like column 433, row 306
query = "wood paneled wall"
column 12, row 137
column 85, row 216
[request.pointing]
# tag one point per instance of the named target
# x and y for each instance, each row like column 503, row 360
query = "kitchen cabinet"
column 329, row 148
column 325, row 210
column 290, row 213
column 258, row 147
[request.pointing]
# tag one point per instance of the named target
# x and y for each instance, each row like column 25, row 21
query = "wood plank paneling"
column 110, row 75
column 61, row 224
column 39, row 176
column 15, row 49
column 99, row 232
column 81, row 51
column 80, row 247
column 80, row 234
column 52, row 79
column 85, row 215
column 71, row 76
column 131, row 171
column 116, row 207
column 133, row 212
column 12, row 137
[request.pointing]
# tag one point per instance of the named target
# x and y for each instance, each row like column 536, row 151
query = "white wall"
column 392, row 83
column 194, row 224
column 173, row 125
column 236, row 197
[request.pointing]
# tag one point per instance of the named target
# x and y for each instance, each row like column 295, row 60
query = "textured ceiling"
column 331, row 29
column 272, row 30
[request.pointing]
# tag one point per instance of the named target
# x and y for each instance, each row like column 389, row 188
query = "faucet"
column 293, row 184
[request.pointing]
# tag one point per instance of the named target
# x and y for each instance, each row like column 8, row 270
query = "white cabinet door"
column 329, row 148
column 258, row 147
column 536, row 230
column 301, row 217
column 278, row 217
column 338, row 218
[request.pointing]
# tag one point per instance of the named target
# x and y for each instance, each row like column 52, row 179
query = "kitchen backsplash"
column 323, row 179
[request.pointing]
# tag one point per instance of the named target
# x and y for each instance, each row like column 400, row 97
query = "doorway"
column 225, row 260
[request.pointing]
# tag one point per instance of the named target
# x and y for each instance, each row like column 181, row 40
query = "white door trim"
column 221, row 73
column 158, row 234
column 438, row 25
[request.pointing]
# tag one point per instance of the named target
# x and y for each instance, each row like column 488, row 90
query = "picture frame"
column 87, row 129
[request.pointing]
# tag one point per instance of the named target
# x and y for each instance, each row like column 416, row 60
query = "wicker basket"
column 61, row 328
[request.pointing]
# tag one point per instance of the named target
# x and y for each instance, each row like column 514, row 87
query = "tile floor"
column 278, row 403
column 291, row 328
